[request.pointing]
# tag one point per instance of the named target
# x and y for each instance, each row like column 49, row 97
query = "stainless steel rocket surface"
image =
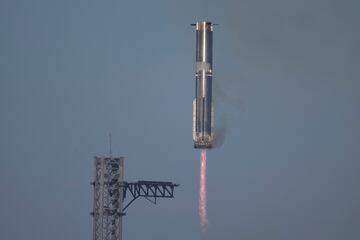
column 203, row 109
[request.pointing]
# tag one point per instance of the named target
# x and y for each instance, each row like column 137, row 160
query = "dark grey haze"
column 286, row 76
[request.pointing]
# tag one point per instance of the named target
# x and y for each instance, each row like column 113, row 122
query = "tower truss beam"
column 148, row 190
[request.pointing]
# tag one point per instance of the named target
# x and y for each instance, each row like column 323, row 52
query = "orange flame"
column 202, row 194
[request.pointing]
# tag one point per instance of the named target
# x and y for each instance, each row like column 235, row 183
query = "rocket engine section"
column 203, row 109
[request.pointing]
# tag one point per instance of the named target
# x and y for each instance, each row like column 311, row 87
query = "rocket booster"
column 203, row 109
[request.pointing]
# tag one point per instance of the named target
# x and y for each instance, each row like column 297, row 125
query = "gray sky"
column 287, row 93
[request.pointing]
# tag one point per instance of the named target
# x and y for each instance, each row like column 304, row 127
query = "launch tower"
column 110, row 191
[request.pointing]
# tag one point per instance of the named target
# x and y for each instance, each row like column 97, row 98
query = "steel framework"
column 151, row 190
column 108, row 198
column 110, row 190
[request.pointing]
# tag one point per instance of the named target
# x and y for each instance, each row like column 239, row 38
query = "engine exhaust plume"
column 202, row 194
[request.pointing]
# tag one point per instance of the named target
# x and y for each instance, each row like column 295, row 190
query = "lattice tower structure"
column 108, row 198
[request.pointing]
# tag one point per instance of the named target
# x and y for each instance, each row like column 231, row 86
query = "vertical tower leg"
column 108, row 198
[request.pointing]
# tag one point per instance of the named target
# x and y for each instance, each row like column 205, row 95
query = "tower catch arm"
column 148, row 189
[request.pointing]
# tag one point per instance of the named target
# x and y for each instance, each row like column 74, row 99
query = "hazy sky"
column 287, row 88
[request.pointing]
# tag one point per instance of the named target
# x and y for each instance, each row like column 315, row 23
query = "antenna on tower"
column 110, row 143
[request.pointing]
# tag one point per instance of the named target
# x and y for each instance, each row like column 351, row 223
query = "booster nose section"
column 203, row 114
